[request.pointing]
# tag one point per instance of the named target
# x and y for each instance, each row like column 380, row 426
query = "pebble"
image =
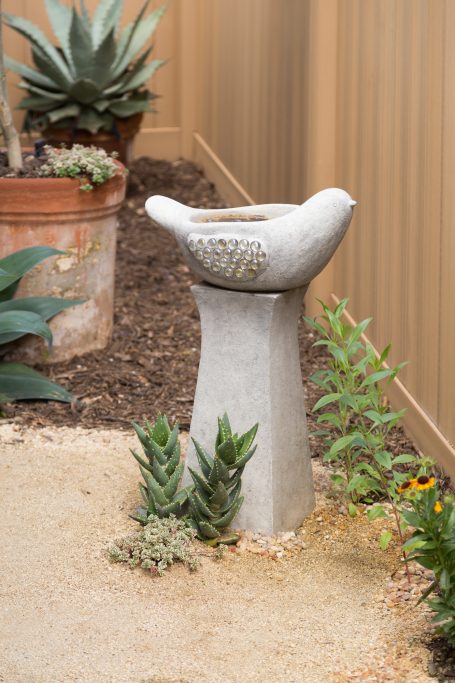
column 275, row 547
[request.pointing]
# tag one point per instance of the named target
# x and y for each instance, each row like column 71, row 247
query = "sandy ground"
column 67, row 614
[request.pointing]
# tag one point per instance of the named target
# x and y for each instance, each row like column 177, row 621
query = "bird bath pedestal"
column 257, row 263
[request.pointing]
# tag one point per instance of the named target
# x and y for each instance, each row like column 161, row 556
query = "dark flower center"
column 423, row 479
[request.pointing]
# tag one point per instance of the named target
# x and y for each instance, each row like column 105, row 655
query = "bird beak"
column 352, row 203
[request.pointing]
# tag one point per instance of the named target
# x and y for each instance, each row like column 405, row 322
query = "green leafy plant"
column 161, row 469
column 26, row 316
column 91, row 164
column 98, row 72
column 215, row 499
column 157, row 546
column 359, row 420
column 432, row 545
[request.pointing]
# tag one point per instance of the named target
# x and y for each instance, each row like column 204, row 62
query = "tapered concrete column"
column 250, row 369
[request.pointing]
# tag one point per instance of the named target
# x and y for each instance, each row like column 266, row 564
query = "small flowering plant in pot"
column 42, row 202
column 432, row 544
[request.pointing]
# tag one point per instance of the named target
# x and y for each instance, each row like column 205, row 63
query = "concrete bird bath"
column 258, row 262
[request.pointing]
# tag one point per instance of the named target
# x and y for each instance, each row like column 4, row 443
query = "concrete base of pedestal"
column 250, row 369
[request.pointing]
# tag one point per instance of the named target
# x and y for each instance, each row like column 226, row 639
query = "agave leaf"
column 19, row 323
column 81, row 46
column 85, row 91
column 45, row 307
column 36, row 103
column 100, row 105
column 68, row 111
column 60, row 18
column 201, row 483
column 227, row 451
column 125, row 38
column 207, row 530
column 102, row 61
column 90, row 120
column 18, row 382
column 17, row 264
column 172, row 440
column 154, row 488
column 129, row 107
column 35, row 77
column 141, row 32
column 84, row 13
column 159, row 473
column 171, row 487
column 128, row 75
column 106, row 18
column 229, row 516
column 46, row 51
column 141, row 76
column 48, row 94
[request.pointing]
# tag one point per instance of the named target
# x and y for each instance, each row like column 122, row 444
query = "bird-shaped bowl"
column 268, row 247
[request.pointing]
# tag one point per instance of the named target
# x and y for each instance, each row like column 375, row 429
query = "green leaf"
column 205, row 460
column 66, row 112
column 404, row 459
column 154, row 488
column 18, row 323
column 174, row 480
column 207, row 530
column 219, row 472
column 224, row 521
column 342, row 444
column 106, row 19
column 358, row 331
column 385, row 539
column 35, row 77
column 227, row 451
column 201, row 483
column 220, row 497
column 85, row 91
column 143, row 463
column 376, row 377
column 19, row 382
column 352, row 510
column 159, row 473
column 14, row 266
column 172, row 440
column 444, row 580
column 45, row 307
column 161, row 431
column 384, row 459
column 81, row 47
column 325, row 400
column 129, row 107
column 141, row 76
column 103, row 59
column 375, row 512
column 242, row 461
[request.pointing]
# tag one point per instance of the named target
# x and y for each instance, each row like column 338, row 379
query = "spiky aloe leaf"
column 173, row 460
column 224, row 521
column 154, row 488
column 241, row 462
column 208, row 530
column 170, row 489
column 220, row 497
column 172, row 440
column 201, row 507
column 205, row 460
column 161, row 431
column 159, row 473
column 141, row 461
column 19, row 382
column 232, row 498
column 219, row 472
column 144, row 493
column 200, row 482
column 166, row 510
column 247, row 439
column 227, row 451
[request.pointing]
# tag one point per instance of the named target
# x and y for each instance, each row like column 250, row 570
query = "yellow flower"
column 407, row 485
column 438, row 506
column 424, row 482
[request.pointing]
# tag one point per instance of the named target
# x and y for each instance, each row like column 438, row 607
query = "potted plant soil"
column 67, row 200
column 91, row 89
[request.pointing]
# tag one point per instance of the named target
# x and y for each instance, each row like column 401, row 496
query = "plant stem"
column 6, row 120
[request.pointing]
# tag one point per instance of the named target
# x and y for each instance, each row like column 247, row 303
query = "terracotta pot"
column 55, row 212
column 120, row 141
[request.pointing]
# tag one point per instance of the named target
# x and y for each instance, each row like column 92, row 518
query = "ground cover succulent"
column 157, row 546
column 92, row 165
column 161, row 469
column 28, row 315
column 215, row 499
column 97, row 74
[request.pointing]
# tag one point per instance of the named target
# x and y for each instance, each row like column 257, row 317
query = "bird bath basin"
column 250, row 365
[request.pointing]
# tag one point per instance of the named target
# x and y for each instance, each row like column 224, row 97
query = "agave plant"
column 26, row 316
column 162, row 470
column 215, row 499
column 98, row 72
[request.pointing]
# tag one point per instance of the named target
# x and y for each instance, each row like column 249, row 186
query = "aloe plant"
column 215, row 499
column 96, row 75
column 161, row 469
column 26, row 316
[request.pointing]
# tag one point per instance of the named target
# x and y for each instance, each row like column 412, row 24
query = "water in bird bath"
column 231, row 218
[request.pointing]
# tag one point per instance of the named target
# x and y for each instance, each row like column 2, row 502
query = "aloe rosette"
column 215, row 498
column 98, row 72
column 161, row 469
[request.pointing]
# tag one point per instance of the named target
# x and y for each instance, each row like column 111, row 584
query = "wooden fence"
column 280, row 98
